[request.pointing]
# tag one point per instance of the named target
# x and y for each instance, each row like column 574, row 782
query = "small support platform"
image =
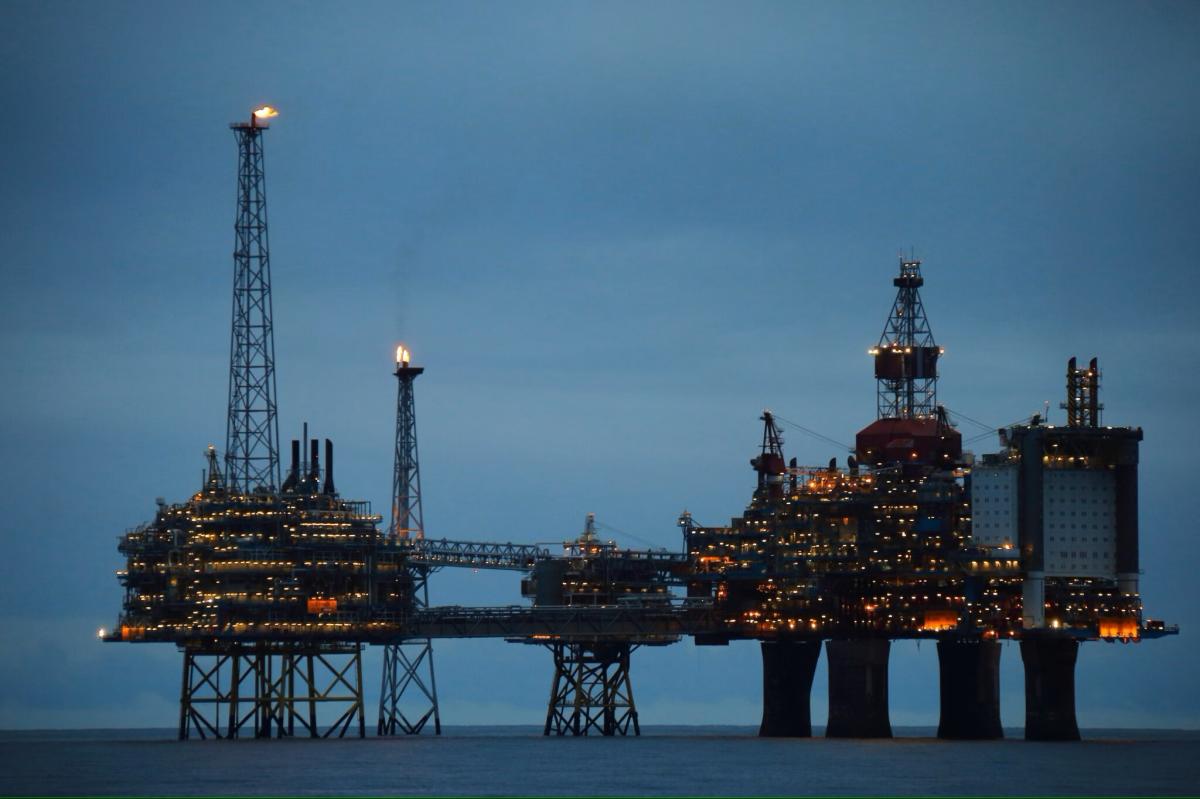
column 788, row 668
column 591, row 693
column 270, row 691
column 1050, row 688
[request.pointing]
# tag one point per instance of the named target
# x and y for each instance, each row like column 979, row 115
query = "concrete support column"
column 970, row 687
column 858, row 689
column 788, row 668
column 1050, row 688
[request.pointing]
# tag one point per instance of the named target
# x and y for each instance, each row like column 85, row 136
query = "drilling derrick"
column 910, row 426
column 252, row 431
column 906, row 355
column 408, row 666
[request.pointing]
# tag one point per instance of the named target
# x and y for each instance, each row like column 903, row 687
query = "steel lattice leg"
column 591, row 693
column 403, row 665
column 201, row 697
column 263, row 690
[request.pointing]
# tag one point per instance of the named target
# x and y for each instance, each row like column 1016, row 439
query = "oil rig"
column 914, row 538
column 273, row 588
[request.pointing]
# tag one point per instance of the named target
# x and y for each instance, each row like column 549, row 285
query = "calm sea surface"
column 664, row 761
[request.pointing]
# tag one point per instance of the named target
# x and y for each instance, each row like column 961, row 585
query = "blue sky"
column 612, row 233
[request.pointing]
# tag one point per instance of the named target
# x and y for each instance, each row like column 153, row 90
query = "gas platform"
column 272, row 588
column 915, row 539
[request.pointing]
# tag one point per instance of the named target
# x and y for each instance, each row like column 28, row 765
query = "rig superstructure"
column 272, row 589
column 915, row 539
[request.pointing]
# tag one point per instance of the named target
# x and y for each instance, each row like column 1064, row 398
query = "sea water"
column 670, row 761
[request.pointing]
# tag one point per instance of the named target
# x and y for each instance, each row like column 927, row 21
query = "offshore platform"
column 273, row 586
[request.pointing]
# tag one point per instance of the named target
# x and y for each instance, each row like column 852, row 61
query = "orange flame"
column 266, row 112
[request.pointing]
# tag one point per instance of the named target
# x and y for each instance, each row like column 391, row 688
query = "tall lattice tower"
column 1083, row 395
column 408, row 698
column 906, row 355
column 252, row 430
column 406, row 476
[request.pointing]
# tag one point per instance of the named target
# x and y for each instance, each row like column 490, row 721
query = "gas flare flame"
column 266, row 112
column 402, row 355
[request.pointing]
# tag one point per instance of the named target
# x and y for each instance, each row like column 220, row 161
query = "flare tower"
column 252, row 429
column 408, row 697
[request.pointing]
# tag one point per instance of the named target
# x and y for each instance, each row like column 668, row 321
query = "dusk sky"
column 612, row 233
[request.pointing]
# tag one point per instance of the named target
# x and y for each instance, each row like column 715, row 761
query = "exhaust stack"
column 329, row 467
column 294, row 472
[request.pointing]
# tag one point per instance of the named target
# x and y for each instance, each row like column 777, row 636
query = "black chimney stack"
column 329, row 467
column 314, row 469
column 294, row 473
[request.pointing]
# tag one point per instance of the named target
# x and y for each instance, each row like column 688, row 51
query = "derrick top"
column 910, row 275
column 910, row 426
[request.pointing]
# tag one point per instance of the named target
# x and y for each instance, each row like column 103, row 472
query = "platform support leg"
column 858, row 688
column 969, row 673
column 202, row 697
column 1050, row 688
column 408, row 697
column 788, row 668
column 591, row 693
column 310, row 670
column 346, row 678
column 257, row 691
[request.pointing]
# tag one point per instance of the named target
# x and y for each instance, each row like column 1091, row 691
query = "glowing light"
column 402, row 355
column 1119, row 628
column 100, row 633
column 266, row 112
